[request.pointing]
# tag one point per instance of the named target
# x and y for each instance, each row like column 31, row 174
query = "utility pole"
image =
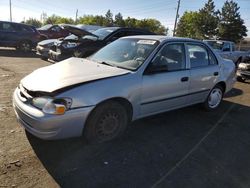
column 177, row 15
column 76, row 15
column 10, row 12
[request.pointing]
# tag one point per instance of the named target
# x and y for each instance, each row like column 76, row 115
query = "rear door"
column 9, row 36
column 204, row 71
column 166, row 89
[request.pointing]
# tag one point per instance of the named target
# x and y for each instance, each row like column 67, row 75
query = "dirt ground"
column 182, row 148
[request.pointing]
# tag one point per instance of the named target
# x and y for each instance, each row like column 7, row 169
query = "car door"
column 165, row 88
column 204, row 71
column 9, row 36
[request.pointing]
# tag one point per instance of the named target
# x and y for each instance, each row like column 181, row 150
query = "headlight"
column 52, row 106
column 69, row 45
column 243, row 66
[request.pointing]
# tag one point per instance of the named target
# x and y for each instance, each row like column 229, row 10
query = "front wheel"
column 240, row 79
column 78, row 53
column 108, row 121
column 214, row 98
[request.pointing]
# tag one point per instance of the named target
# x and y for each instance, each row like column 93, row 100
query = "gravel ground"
column 182, row 148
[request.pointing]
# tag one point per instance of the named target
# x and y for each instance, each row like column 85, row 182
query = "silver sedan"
column 130, row 78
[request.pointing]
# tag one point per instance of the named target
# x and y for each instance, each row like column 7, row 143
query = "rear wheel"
column 25, row 46
column 214, row 98
column 108, row 121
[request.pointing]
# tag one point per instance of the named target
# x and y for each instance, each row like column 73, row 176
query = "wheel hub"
column 215, row 98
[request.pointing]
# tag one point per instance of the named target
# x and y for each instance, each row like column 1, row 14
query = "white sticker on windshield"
column 150, row 42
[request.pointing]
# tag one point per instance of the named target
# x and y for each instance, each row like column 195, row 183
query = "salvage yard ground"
column 182, row 148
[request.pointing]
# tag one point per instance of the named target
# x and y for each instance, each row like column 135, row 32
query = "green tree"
column 130, row 22
column 119, row 20
column 33, row 21
column 187, row 25
column 109, row 18
column 52, row 19
column 207, row 21
column 92, row 20
column 231, row 26
column 152, row 25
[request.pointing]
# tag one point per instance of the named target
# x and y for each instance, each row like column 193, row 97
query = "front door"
column 166, row 87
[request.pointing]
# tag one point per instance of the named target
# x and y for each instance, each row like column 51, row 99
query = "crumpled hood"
column 47, row 42
column 67, row 73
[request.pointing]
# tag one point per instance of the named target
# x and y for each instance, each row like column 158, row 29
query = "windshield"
column 125, row 53
column 102, row 33
column 46, row 27
column 217, row 45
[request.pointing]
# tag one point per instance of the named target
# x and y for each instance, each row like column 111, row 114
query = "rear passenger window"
column 198, row 56
column 171, row 56
column 212, row 59
column 7, row 27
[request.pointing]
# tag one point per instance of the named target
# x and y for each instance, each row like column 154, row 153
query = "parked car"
column 44, row 46
column 53, row 31
column 128, row 79
column 227, row 50
column 20, row 36
column 86, row 45
column 243, row 71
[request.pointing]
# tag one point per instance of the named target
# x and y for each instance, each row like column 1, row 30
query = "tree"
column 119, row 20
column 187, row 25
column 130, row 22
column 152, row 25
column 92, row 20
column 231, row 26
column 33, row 21
column 109, row 18
column 207, row 21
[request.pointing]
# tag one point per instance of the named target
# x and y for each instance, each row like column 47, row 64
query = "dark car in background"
column 87, row 44
column 53, row 31
column 20, row 36
column 44, row 46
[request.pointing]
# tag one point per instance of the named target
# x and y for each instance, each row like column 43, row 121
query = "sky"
column 162, row 10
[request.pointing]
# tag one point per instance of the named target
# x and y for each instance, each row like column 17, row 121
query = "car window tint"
column 198, row 56
column 56, row 29
column 212, row 59
column 23, row 28
column 172, row 56
column 226, row 47
column 7, row 27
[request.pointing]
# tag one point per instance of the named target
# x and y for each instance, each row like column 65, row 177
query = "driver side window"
column 171, row 56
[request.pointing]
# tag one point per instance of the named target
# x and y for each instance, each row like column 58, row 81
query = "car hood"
column 68, row 73
column 46, row 42
column 77, row 31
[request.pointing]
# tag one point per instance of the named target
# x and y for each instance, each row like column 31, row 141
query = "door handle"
column 216, row 73
column 184, row 79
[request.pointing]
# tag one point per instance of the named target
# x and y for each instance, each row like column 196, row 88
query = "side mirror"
column 151, row 69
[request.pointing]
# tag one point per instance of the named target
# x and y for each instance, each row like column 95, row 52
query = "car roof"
column 218, row 40
column 17, row 23
column 162, row 38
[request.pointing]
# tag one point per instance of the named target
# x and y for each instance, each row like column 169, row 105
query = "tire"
column 78, row 53
column 240, row 79
column 214, row 98
column 107, row 122
column 25, row 46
